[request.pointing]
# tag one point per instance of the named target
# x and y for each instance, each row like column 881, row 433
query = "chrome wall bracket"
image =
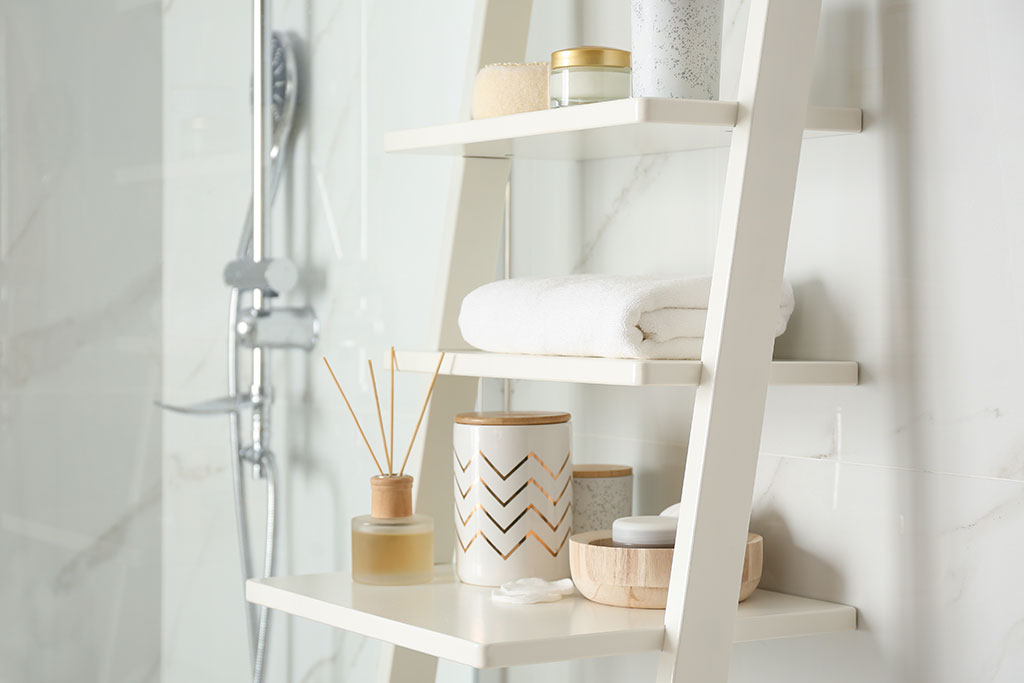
column 285, row 327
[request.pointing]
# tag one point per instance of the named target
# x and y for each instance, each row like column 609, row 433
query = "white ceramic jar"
column 513, row 496
column 600, row 495
column 677, row 48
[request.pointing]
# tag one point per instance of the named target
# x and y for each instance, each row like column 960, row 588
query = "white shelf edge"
column 259, row 592
column 600, row 630
column 791, row 616
column 602, row 115
column 612, row 371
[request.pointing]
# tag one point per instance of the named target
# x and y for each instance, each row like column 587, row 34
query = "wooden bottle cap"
column 600, row 471
column 515, row 417
column 391, row 497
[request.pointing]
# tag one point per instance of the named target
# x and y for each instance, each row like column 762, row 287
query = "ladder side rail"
column 728, row 413
column 469, row 254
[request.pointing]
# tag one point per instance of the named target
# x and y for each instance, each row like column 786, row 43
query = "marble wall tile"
column 927, row 558
column 80, row 341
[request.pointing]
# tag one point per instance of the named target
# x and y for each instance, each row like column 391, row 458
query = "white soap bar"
column 651, row 530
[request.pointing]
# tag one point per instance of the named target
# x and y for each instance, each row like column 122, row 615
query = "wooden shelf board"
column 602, row 130
column 459, row 622
column 613, row 371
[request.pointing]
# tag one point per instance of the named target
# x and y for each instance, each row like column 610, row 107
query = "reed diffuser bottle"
column 392, row 546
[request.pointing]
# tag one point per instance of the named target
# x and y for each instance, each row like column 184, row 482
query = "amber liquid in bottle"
column 393, row 552
column 392, row 546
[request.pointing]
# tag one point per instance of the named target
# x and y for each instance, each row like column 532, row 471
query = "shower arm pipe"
column 260, row 133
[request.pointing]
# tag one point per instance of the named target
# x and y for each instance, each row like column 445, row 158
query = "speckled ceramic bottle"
column 677, row 48
column 601, row 494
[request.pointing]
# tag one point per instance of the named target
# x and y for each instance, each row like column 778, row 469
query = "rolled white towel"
column 664, row 324
column 595, row 315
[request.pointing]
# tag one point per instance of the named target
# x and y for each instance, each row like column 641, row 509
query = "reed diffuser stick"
column 391, row 412
column 422, row 412
column 380, row 420
column 353, row 414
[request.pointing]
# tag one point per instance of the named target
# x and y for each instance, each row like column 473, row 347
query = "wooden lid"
column 600, row 471
column 391, row 497
column 515, row 417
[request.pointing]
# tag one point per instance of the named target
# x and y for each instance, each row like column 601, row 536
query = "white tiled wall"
column 80, row 341
column 904, row 496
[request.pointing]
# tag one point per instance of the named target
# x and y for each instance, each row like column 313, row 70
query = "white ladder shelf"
column 456, row 621
column 603, row 130
column 694, row 635
column 613, row 371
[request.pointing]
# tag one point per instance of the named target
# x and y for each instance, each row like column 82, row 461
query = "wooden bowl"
column 638, row 577
column 753, row 562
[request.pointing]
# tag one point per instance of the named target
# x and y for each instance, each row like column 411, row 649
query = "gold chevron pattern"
column 504, row 529
column 480, row 534
column 558, row 526
column 504, row 503
column 504, row 477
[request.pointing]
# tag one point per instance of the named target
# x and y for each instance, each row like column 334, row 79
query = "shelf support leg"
column 728, row 413
column 469, row 256
column 401, row 664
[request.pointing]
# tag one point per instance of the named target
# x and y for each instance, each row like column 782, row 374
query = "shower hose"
column 256, row 618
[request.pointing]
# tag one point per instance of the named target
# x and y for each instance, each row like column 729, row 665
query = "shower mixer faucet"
column 286, row 327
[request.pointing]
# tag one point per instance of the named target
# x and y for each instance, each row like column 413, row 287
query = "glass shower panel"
column 363, row 230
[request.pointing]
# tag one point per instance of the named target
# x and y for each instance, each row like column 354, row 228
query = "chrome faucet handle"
column 273, row 276
column 285, row 327
column 216, row 406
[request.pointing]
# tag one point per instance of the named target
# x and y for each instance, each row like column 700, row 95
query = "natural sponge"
column 510, row 89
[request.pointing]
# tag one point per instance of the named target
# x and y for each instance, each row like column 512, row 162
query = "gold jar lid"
column 590, row 55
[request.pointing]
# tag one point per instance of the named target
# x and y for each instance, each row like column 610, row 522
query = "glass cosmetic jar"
column 582, row 75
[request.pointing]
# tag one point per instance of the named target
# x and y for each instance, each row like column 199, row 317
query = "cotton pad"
column 532, row 590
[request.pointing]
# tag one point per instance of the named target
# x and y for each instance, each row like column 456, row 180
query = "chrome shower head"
column 283, row 91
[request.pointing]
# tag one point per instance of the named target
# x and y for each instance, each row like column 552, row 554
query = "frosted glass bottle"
column 392, row 546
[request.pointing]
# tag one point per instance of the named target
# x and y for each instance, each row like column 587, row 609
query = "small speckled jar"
column 600, row 495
